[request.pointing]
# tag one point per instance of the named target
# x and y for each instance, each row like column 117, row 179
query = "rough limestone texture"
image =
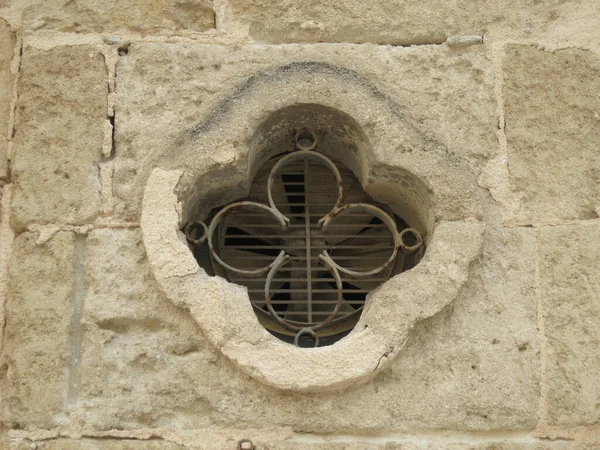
column 552, row 114
column 221, row 89
column 7, row 44
column 587, row 439
column 478, row 119
column 6, row 239
column 356, row 444
column 59, row 133
column 117, row 16
column 570, row 292
column 97, row 444
column 487, row 339
column 145, row 364
column 387, row 22
column 37, row 342
column 142, row 358
column 408, row 445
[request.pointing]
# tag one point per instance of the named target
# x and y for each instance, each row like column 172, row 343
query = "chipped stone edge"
column 358, row 357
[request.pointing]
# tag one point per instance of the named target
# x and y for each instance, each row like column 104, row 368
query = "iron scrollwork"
column 409, row 240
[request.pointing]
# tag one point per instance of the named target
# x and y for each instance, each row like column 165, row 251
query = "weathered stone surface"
column 38, row 324
column 552, row 128
column 421, row 444
column 476, row 364
column 318, row 443
column 137, row 372
column 570, row 293
column 222, row 88
column 7, row 45
column 386, row 22
column 118, row 16
column 97, row 444
column 577, row 26
column 143, row 360
column 145, row 363
column 587, row 439
column 6, row 240
column 59, row 133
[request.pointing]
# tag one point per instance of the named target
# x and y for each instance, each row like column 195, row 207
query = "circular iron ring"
column 191, row 227
column 306, row 331
column 276, row 265
column 387, row 220
column 282, row 257
column 297, row 156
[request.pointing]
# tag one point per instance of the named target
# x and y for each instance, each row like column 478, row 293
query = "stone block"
column 476, row 364
column 59, row 134
column 37, row 344
column 143, row 360
column 393, row 22
column 117, row 16
column 145, row 363
column 157, row 111
column 7, row 47
column 570, row 293
column 552, row 129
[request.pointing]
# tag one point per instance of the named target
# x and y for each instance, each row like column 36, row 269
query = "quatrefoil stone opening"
column 308, row 243
column 338, row 343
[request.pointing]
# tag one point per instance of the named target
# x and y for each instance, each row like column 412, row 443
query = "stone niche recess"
column 397, row 163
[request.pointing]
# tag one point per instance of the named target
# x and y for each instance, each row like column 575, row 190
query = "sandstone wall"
column 95, row 94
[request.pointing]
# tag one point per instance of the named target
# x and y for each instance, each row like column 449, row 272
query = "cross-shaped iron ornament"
column 408, row 240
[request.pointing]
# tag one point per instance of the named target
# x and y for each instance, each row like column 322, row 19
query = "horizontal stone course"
column 347, row 444
column 96, row 444
column 386, row 21
column 112, row 17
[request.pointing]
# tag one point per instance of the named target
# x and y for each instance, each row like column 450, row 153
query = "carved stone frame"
column 397, row 163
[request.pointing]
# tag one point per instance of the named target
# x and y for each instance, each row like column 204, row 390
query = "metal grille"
column 310, row 258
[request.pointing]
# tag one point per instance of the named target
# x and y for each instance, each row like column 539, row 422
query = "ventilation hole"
column 237, row 238
column 293, row 185
column 304, row 292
